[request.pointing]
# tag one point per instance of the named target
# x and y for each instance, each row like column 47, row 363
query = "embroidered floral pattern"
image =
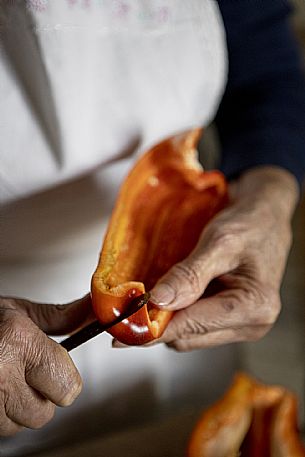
column 37, row 5
column 120, row 9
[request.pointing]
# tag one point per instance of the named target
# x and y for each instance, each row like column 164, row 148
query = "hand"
column 227, row 290
column 36, row 373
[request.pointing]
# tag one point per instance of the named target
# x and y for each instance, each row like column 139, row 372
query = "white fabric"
column 83, row 83
column 81, row 86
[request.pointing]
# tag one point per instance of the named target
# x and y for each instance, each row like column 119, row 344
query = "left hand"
column 227, row 290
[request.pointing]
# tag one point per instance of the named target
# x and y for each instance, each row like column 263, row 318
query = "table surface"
column 168, row 438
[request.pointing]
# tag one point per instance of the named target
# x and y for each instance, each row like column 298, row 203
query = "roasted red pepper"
column 251, row 420
column 162, row 207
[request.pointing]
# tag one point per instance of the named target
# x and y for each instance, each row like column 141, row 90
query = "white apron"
column 84, row 83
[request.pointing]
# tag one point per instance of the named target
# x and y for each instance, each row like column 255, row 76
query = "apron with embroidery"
column 85, row 87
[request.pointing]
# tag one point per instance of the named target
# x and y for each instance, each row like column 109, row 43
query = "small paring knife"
column 94, row 329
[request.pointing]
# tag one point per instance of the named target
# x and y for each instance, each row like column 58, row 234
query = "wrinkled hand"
column 227, row 290
column 36, row 373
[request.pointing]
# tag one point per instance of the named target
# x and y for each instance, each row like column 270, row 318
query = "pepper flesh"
column 252, row 420
column 161, row 210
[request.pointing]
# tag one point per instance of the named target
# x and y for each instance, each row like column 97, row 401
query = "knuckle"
column 189, row 274
column 230, row 304
column 264, row 305
column 224, row 237
column 192, row 327
column 185, row 330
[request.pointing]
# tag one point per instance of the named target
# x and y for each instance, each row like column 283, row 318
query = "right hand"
column 36, row 373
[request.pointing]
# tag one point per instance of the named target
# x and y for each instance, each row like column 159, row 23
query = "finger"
column 27, row 407
column 185, row 282
column 46, row 365
column 7, row 426
column 50, row 370
column 118, row 345
column 57, row 319
column 227, row 310
column 219, row 338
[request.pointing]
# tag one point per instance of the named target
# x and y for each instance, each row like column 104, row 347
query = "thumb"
column 186, row 281
column 55, row 319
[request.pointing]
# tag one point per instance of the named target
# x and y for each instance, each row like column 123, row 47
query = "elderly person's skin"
column 36, row 373
column 245, row 247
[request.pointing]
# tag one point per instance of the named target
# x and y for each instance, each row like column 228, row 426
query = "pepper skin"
column 161, row 210
column 252, row 420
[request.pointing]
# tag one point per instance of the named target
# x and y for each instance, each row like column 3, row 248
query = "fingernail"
column 162, row 295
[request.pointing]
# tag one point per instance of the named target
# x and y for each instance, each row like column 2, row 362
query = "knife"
column 94, row 329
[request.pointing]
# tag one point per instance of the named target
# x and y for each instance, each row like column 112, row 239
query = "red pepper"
column 252, row 420
column 162, row 208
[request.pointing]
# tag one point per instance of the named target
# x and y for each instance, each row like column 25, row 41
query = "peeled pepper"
column 161, row 210
column 251, row 420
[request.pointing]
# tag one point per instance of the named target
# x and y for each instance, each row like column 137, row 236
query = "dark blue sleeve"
column 261, row 119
